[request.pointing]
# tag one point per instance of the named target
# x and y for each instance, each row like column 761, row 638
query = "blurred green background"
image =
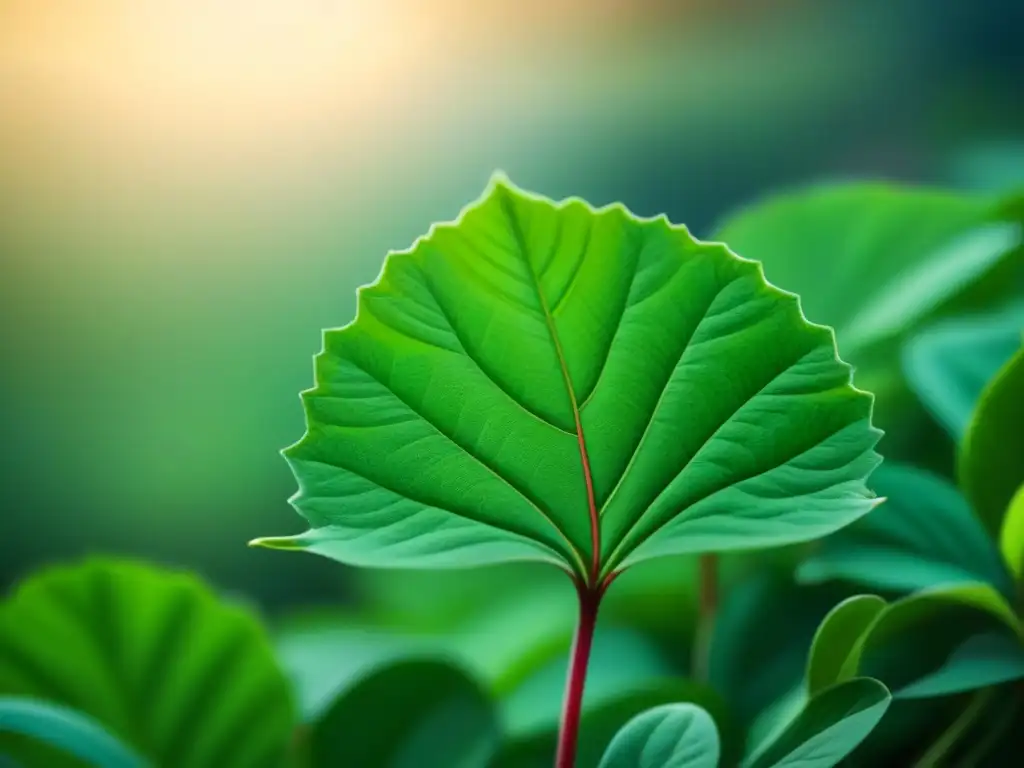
column 190, row 191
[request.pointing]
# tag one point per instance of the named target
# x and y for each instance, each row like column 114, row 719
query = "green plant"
column 543, row 384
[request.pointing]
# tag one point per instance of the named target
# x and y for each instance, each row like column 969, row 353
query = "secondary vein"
column 595, row 527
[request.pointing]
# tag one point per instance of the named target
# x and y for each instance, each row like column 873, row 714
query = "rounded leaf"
column 154, row 656
column 991, row 468
column 550, row 381
column 670, row 736
column 66, row 730
column 836, row 638
column 415, row 713
column 929, row 641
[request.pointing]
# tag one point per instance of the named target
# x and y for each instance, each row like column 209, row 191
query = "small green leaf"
column 670, row 736
column 872, row 260
column 828, row 728
column 67, row 730
column 926, row 636
column 1011, row 537
column 949, row 364
column 981, row 661
column 154, row 656
column 978, row 597
column 924, row 535
column 520, row 384
column 991, row 468
column 916, row 636
column 415, row 713
column 836, row 638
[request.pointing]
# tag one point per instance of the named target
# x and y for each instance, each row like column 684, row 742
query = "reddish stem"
column 707, row 609
column 568, row 734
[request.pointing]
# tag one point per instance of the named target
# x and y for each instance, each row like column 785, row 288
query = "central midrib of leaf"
column 595, row 522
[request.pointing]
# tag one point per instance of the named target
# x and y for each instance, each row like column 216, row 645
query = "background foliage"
column 188, row 196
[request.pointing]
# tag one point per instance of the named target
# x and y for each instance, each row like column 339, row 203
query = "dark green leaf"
column 982, row 660
column 836, row 638
column 415, row 713
column 949, row 364
column 154, row 656
column 918, row 635
column 924, row 535
column 670, row 736
column 521, row 383
column 991, row 467
column 500, row 645
column 756, row 657
column 827, row 729
column 67, row 730
column 324, row 656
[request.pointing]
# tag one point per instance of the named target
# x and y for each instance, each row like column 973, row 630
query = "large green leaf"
column 872, row 259
column 829, row 727
column 923, row 536
column 181, row 677
column 991, row 467
column 67, row 730
column 948, row 364
column 670, row 736
column 554, row 382
column 415, row 713
column 1011, row 537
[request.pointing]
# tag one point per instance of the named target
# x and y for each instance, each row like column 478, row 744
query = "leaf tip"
column 277, row 542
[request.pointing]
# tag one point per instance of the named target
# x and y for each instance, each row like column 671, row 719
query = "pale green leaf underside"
column 669, row 736
column 451, row 421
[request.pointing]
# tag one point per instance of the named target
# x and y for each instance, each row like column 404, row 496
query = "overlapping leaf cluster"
column 581, row 387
